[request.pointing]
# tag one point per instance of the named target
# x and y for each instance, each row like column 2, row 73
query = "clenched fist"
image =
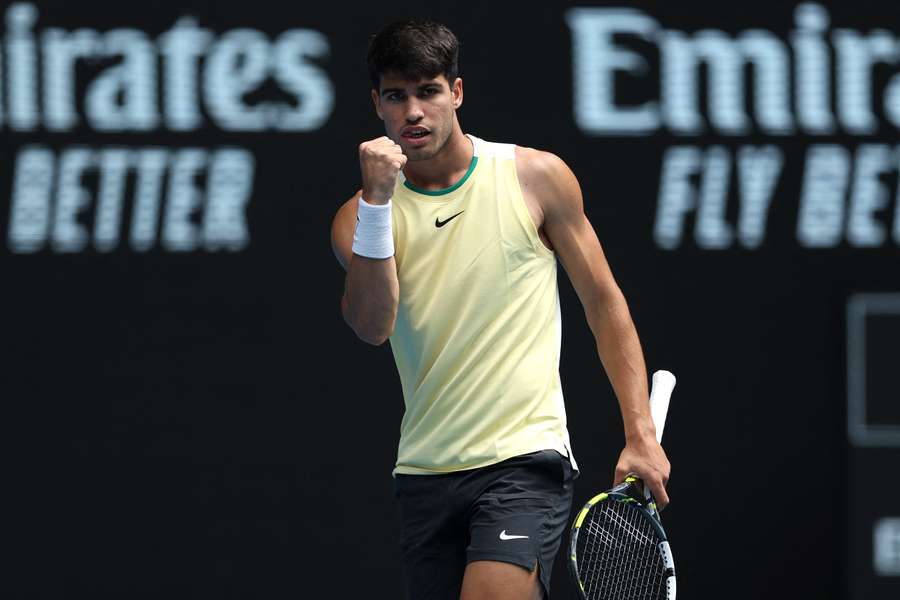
column 380, row 161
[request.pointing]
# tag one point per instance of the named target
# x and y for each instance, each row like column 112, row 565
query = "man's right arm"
column 371, row 289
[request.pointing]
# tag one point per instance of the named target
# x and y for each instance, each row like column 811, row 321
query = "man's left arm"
column 549, row 181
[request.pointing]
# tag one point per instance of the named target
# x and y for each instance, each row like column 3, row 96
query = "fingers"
column 620, row 474
column 379, row 141
column 651, row 477
column 378, row 145
column 380, row 160
column 656, row 481
column 658, row 489
column 383, row 149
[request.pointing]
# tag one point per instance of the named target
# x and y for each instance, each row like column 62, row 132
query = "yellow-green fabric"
column 477, row 336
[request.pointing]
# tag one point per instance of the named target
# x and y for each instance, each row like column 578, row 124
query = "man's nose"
column 414, row 112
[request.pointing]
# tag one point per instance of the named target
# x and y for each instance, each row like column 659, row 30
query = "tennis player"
column 450, row 249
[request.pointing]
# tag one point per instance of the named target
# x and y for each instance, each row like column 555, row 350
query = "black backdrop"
column 203, row 423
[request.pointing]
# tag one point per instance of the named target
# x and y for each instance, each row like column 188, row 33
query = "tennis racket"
column 618, row 549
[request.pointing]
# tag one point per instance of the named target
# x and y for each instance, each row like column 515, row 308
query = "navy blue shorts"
column 515, row 511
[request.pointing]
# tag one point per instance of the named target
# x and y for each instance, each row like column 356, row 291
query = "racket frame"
column 628, row 492
column 632, row 491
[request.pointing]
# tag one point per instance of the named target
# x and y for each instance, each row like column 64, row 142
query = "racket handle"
column 662, row 384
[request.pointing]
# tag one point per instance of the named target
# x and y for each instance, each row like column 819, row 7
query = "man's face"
column 418, row 115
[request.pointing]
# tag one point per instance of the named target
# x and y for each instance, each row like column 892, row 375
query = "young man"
column 450, row 249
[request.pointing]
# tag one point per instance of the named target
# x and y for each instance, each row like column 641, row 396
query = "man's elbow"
column 611, row 309
column 374, row 334
column 375, row 340
column 370, row 331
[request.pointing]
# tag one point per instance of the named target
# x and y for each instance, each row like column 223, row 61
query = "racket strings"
column 619, row 556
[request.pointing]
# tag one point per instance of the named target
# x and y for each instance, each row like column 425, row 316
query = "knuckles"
column 372, row 151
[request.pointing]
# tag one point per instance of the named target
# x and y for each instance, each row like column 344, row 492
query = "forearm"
column 371, row 295
column 623, row 360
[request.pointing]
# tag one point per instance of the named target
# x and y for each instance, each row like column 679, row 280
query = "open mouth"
column 415, row 134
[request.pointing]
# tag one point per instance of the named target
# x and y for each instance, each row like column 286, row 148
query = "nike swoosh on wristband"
column 504, row 536
column 439, row 223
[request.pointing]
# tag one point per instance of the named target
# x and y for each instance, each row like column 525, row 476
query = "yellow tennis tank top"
column 478, row 331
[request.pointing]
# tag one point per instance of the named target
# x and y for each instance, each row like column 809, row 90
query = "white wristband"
column 374, row 237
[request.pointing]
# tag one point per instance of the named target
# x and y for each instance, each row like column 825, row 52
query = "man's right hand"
column 380, row 161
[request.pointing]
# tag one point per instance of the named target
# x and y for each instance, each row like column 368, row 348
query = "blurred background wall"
column 186, row 413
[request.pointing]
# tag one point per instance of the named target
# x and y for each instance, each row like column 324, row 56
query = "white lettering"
column 151, row 166
column 68, row 234
column 678, row 84
column 771, row 93
column 181, row 47
column 825, row 180
column 812, row 69
column 712, row 231
column 758, row 173
column 202, row 196
column 897, row 204
column 179, row 233
column 29, row 219
column 855, row 57
column 601, row 61
column 230, row 186
column 892, row 101
column 726, row 58
column 123, row 97
column 61, row 50
column 200, row 70
column 22, row 63
column 869, row 195
column 315, row 94
column 114, row 164
column 595, row 61
column 676, row 194
column 236, row 65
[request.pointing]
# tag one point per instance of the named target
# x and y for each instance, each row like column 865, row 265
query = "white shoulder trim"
column 493, row 149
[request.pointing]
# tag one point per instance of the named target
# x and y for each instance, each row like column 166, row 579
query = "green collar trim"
column 445, row 190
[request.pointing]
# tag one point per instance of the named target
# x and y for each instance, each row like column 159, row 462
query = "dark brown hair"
column 414, row 49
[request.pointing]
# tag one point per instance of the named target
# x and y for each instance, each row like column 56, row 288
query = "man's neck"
column 444, row 169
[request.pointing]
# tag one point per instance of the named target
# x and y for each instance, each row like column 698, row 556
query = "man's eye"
column 429, row 91
column 395, row 97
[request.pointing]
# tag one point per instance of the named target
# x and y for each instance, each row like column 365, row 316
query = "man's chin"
column 419, row 154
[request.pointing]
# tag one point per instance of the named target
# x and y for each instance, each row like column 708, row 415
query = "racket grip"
column 662, row 384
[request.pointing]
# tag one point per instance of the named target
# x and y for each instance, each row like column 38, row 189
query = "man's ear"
column 456, row 91
column 376, row 100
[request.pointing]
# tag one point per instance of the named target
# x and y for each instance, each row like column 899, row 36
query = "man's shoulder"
column 537, row 160
column 342, row 227
column 549, row 182
column 541, row 168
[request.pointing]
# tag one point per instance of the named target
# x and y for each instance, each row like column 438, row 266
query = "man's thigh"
column 493, row 580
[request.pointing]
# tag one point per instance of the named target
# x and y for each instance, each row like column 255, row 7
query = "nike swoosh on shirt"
column 504, row 536
column 439, row 223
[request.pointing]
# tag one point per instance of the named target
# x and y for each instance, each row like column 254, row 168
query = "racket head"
column 619, row 549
